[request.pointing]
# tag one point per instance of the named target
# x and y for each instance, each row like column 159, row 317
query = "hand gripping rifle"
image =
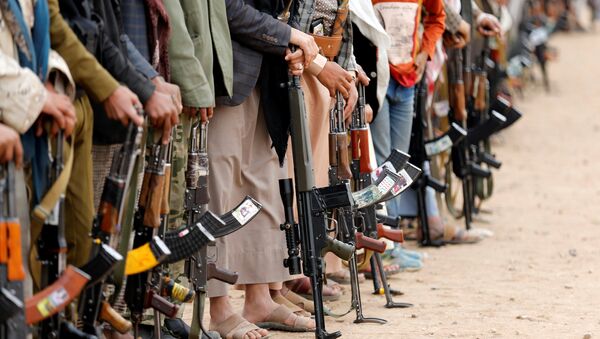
column 365, row 219
column 59, row 285
column 12, row 274
column 106, row 227
column 313, row 205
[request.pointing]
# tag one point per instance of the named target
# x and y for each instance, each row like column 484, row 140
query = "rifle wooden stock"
column 390, row 234
column 154, row 202
column 226, row 276
column 57, row 296
column 144, row 190
column 110, row 204
column 360, row 145
column 165, row 208
column 160, row 304
column 344, row 172
column 112, row 317
column 362, row 241
column 177, row 291
column 15, row 257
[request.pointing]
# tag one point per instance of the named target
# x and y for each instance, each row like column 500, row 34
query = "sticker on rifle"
column 183, row 233
column 404, row 182
column 436, row 147
column 48, row 305
column 377, row 172
column 245, row 212
column 386, row 185
column 366, row 197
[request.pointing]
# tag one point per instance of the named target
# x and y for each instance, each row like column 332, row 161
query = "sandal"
column 389, row 270
column 343, row 277
column 303, row 288
column 276, row 321
column 235, row 327
column 297, row 310
column 299, row 301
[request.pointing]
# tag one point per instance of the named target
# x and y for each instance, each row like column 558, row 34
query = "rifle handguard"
column 116, row 321
column 344, row 172
column 226, row 276
column 364, row 242
column 176, row 291
column 160, row 304
column 395, row 235
column 55, row 297
column 154, row 202
column 341, row 250
column 146, row 257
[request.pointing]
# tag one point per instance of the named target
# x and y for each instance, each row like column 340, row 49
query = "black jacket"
column 98, row 25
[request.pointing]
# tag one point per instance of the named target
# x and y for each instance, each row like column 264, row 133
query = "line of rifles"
column 340, row 218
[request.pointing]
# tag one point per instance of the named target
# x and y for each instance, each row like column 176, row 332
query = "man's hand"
column 10, row 146
column 351, row 101
column 160, row 109
column 60, row 109
column 488, row 25
column 306, row 43
column 206, row 113
column 172, row 90
column 368, row 114
column 361, row 76
column 295, row 61
column 420, row 62
column 460, row 39
column 335, row 78
column 121, row 105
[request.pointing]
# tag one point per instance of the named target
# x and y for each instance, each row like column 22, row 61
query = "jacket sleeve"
column 186, row 70
column 256, row 29
column 141, row 64
column 86, row 70
column 433, row 23
column 22, row 94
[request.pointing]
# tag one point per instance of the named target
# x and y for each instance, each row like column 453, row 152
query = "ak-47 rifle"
column 141, row 289
column 106, row 227
column 52, row 250
column 419, row 154
column 363, row 176
column 197, row 268
column 12, row 274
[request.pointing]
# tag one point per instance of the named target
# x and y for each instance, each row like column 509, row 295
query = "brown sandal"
column 235, row 327
column 276, row 321
column 297, row 310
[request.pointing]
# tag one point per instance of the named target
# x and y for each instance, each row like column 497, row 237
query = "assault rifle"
column 339, row 172
column 312, row 205
column 106, row 227
column 420, row 151
column 12, row 274
column 52, row 250
column 141, row 288
column 197, row 269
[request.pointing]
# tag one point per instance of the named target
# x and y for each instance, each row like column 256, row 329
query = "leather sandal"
column 276, row 321
column 235, row 327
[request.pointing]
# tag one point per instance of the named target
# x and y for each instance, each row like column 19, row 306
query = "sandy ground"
column 539, row 276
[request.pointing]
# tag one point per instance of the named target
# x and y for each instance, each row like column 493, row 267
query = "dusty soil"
column 538, row 277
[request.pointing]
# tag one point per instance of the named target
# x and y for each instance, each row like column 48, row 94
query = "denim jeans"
column 391, row 129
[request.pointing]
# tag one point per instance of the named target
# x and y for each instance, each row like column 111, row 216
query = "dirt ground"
column 538, row 277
